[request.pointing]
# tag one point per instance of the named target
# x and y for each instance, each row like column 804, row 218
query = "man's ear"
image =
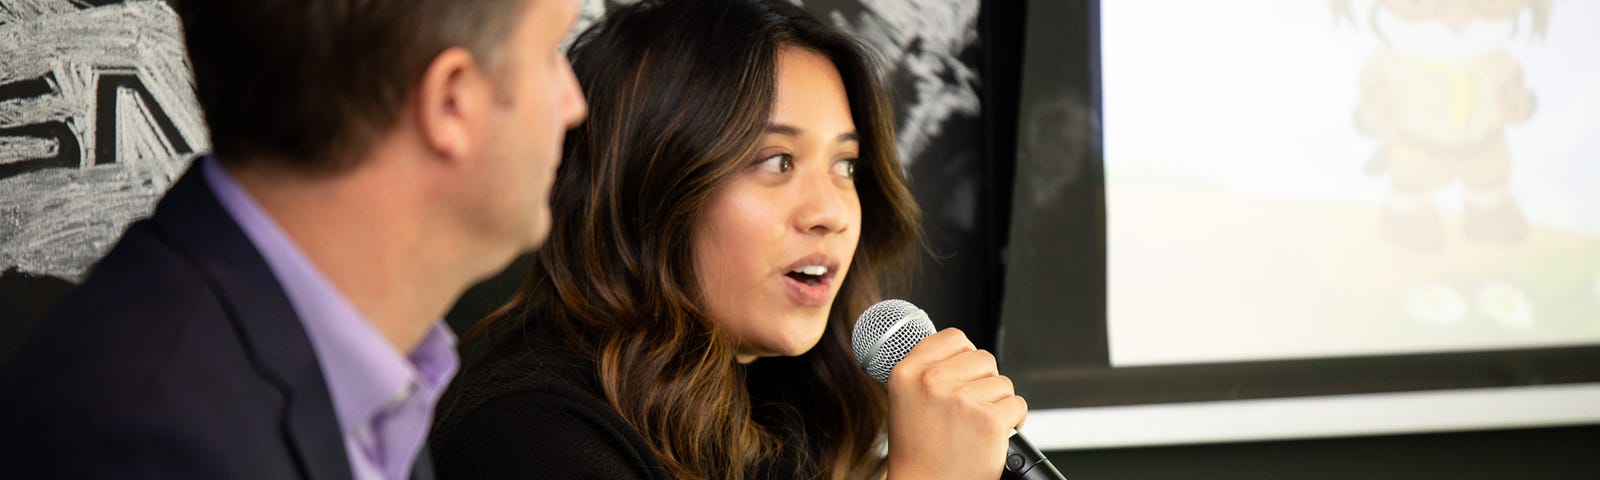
column 451, row 100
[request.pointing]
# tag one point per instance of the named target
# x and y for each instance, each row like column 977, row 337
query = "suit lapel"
column 423, row 468
column 190, row 216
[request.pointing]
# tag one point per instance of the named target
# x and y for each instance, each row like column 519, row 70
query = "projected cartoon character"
column 1439, row 93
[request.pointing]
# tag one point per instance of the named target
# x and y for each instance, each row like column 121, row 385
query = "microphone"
column 885, row 333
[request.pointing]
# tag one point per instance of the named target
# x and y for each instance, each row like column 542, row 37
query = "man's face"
column 541, row 101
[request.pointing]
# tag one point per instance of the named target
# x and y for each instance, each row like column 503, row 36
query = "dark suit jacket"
column 179, row 357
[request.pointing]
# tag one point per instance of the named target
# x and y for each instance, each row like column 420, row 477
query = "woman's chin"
column 792, row 346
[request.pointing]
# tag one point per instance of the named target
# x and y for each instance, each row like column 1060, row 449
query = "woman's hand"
column 950, row 411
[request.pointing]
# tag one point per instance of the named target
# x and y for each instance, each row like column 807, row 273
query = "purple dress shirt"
column 384, row 400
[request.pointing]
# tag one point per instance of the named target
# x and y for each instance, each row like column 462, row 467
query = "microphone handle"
column 1024, row 462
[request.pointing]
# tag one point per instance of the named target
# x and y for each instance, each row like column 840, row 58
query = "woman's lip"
column 808, row 295
column 816, row 259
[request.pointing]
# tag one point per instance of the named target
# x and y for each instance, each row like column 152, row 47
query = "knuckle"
column 959, row 338
column 932, row 379
column 903, row 373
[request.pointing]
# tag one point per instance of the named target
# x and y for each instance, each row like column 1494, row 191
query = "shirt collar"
column 364, row 372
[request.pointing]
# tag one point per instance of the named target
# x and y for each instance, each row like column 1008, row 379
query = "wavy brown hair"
column 680, row 93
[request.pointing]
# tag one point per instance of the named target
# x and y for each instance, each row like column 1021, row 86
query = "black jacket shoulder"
column 179, row 357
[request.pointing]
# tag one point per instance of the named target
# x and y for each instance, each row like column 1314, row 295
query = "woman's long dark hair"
column 680, row 93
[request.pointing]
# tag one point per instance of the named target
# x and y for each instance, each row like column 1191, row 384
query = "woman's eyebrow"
column 793, row 131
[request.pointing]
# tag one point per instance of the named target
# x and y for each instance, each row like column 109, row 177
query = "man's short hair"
column 314, row 83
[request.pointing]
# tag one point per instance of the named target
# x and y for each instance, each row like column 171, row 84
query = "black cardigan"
column 534, row 409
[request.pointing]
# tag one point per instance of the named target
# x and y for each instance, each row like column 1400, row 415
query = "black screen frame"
column 1053, row 333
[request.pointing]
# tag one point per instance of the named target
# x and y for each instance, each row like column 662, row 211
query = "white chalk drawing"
column 97, row 119
column 922, row 40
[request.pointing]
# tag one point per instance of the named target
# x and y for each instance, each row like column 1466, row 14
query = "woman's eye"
column 780, row 163
column 845, row 168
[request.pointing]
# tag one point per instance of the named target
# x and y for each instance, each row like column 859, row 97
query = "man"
column 278, row 315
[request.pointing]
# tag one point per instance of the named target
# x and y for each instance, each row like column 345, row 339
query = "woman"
column 735, row 195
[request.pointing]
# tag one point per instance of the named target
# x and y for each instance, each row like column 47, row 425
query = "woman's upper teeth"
column 813, row 270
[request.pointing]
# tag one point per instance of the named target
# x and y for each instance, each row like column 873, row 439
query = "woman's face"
column 776, row 241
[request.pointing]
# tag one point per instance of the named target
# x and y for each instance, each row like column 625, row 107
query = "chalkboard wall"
column 97, row 119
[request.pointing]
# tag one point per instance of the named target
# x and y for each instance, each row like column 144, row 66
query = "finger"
column 1012, row 410
column 939, row 346
column 968, row 366
column 988, row 390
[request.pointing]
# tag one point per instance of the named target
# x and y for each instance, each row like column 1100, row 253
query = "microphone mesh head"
column 885, row 333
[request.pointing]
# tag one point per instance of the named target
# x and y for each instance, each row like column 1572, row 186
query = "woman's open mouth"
column 810, row 275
